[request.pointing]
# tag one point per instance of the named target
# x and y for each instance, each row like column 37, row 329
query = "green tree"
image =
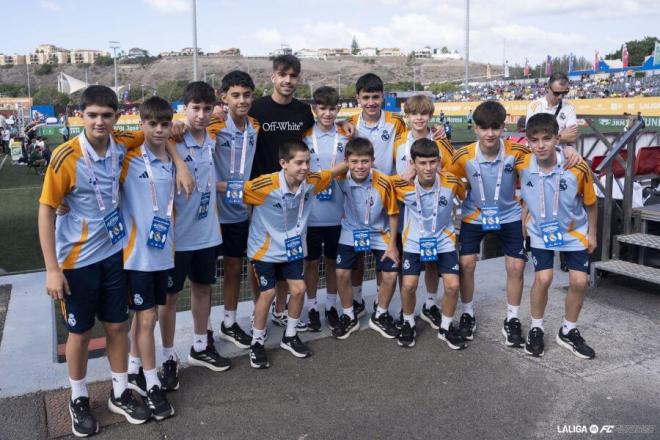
column 104, row 61
column 444, row 87
column 171, row 90
column 13, row 90
column 48, row 95
column 355, row 48
column 44, row 69
column 637, row 50
column 444, row 49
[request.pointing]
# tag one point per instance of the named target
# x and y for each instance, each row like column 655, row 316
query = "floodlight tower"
column 114, row 45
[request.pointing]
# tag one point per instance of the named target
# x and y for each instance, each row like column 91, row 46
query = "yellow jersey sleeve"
column 129, row 139
column 256, row 190
column 60, row 176
column 321, row 180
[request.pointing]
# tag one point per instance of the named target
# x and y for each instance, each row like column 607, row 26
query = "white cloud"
column 169, row 5
column 269, row 36
column 50, row 5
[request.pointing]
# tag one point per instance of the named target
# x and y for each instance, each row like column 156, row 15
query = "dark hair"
column 199, row 91
column 237, row 78
column 424, row 148
column 369, row 83
column 288, row 149
column 543, row 123
column 99, row 95
column 558, row 77
column 286, row 62
column 359, row 147
column 326, row 95
column 156, row 109
column 489, row 114
column 520, row 125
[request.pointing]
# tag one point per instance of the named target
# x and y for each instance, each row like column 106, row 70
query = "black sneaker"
column 235, row 335
column 279, row 319
column 158, row 404
column 314, row 324
column 128, row 406
column 332, row 318
column 83, row 423
column 575, row 342
column 432, row 316
column 359, row 308
column 512, row 332
column 345, row 327
column 375, row 307
column 138, row 383
column 467, row 326
column 208, row 358
column 295, row 346
column 210, row 341
column 258, row 358
column 534, row 345
column 169, row 375
column 407, row 336
column 399, row 322
column 452, row 337
column 384, row 325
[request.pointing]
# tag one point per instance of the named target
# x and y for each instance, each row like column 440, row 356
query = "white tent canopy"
column 68, row 84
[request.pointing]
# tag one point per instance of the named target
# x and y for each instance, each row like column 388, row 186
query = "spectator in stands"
column 519, row 137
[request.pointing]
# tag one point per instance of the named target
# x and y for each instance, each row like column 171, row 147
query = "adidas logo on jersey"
column 530, row 184
column 455, row 267
column 476, row 174
column 188, row 159
column 277, row 205
column 144, row 175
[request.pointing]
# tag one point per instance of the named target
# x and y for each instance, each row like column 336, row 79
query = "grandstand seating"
column 647, row 162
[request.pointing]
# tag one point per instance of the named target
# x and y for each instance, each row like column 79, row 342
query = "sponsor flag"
column 489, row 73
column 596, row 62
column 571, row 62
column 656, row 54
column 624, row 55
column 526, row 69
column 506, row 69
column 548, row 66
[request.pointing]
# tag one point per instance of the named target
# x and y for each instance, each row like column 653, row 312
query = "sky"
column 516, row 30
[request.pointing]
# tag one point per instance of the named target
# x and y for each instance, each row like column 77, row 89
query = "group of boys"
column 126, row 229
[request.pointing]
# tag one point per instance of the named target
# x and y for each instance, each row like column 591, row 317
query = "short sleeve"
column 256, row 190
column 59, row 180
column 320, row 181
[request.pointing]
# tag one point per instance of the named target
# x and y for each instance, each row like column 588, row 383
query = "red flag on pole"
column 526, row 69
column 596, row 62
column 624, row 55
column 548, row 66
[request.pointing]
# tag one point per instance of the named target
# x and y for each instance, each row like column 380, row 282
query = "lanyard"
column 318, row 153
column 372, row 131
column 191, row 150
column 498, row 183
column 434, row 214
column 367, row 202
column 152, row 185
column 555, row 202
column 92, row 174
column 301, row 206
column 232, row 162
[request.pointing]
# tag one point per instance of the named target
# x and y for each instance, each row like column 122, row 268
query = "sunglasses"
column 564, row 93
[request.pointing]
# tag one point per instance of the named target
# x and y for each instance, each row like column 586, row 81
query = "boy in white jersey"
column 147, row 180
column 236, row 140
column 326, row 142
column 276, row 243
column 563, row 217
column 429, row 238
column 369, row 224
column 82, row 253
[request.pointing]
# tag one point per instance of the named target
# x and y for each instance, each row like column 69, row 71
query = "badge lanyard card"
column 234, row 193
column 428, row 246
column 160, row 226
column 205, row 199
column 114, row 223
column 551, row 231
column 326, row 194
column 490, row 214
column 293, row 245
column 361, row 235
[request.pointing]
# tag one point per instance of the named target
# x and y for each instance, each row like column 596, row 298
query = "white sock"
column 199, row 342
column 229, row 318
column 78, row 388
column 430, row 299
column 567, row 326
column 291, row 324
column 330, row 300
column 119, row 383
column 168, row 352
column 445, row 322
column 511, row 311
column 311, row 303
column 357, row 293
column 380, row 311
column 349, row 312
column 134, row 364
column 152, row 378
column 258, row 336
column 537, row 323
column 410, row 319
column 469, row 308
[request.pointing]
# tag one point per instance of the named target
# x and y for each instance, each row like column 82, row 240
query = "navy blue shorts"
column 575, row 260
column 510, row 235
column 268, row 274
column 347, row 258
column 146, row 289
column 234, row 238
column 447, row 263
column 97, row 291
column 326, row 235
column 198, row 265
